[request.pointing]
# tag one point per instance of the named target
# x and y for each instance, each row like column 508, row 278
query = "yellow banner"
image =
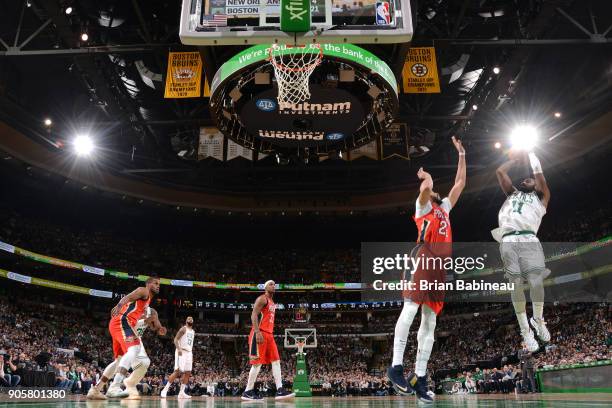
column 420, row 73
column 183, row 79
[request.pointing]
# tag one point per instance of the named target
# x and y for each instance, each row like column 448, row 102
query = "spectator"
column 10, row 379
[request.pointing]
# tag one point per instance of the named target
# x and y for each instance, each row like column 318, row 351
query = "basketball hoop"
column 293, row 66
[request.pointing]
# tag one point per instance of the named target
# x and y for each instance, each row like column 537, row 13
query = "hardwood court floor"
column 467, row 401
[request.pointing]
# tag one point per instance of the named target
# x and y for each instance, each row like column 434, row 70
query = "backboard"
column 244, row 22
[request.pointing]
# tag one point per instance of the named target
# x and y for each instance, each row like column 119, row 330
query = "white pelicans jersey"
column 521, row 212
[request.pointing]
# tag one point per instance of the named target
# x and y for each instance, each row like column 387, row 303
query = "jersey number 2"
column 442, row 229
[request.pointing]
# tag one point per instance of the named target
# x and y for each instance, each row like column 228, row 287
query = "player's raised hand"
column 422, row 174
column 458, row 145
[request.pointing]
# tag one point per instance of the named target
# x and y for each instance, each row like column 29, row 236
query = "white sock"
column 538, row 310
column 167, row 386
column 522, row 321
column 276, row 373
column 252, row 376
column 182, row 388
column 425, row 339
column 109, row 372
column 402, row 328
column 118, row 379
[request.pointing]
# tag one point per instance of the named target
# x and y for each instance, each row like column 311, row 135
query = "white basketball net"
column 292, row 71
column 300, row 342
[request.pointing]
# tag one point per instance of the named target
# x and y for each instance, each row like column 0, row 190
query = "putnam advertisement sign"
column 420, row 73
column 184, row 76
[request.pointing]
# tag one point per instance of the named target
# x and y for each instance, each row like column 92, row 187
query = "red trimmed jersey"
column 433, row 223
column 133, row 311
column 266, row 316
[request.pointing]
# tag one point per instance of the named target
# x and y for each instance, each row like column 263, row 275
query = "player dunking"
column 522, row 254
column 433, row 225
column 139, row 366
column 122, row 327
column 262, row 347
column 183, row 358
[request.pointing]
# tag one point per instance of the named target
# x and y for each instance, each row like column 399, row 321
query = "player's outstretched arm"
column 426, row 186
column 503, row 178
column 461, row 176
column 138, row 293
column 540, row 181
column 260, row 303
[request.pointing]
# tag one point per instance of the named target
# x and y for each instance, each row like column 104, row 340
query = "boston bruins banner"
column 395, row 141
column 211, row 144
column 420, row 73
column 183, row 79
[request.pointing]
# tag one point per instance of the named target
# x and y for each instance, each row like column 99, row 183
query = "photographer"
column 8, row 376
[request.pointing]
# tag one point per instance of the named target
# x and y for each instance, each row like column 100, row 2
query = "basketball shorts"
column 142, row 353
column 262, row 353
column 523, row 257
column 422, row 293
column 184, row 362
column 123, row 335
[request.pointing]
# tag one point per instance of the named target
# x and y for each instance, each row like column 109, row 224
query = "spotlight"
column 68, row 10
column 557, row 115
column 496, row 70
column 524, row 137
column 48, row 122
column 84, row 37
column 474, row 107
column 497, row 145
column 83, row 145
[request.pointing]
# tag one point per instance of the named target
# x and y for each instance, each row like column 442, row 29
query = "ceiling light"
column 524, row 137
column 83, row 145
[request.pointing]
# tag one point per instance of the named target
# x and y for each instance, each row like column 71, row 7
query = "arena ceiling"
column 552, row 56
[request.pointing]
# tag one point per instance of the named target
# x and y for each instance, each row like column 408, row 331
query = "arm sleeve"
column 422, row 210
column 446, row 205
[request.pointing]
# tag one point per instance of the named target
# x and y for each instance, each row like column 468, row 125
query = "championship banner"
column 369, row 150
column 235, row 150
column 183, row 79
column 211, row 144
column 420, row 72
column 394, row 141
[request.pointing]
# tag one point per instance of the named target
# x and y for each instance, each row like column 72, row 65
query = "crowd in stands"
column 340, row 365
column 181, row 259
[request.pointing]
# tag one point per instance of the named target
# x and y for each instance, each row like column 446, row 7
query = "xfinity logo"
column 283, row 134
column 266, row 105
column 306, row 108
column 335, row 136
column 296, row 9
